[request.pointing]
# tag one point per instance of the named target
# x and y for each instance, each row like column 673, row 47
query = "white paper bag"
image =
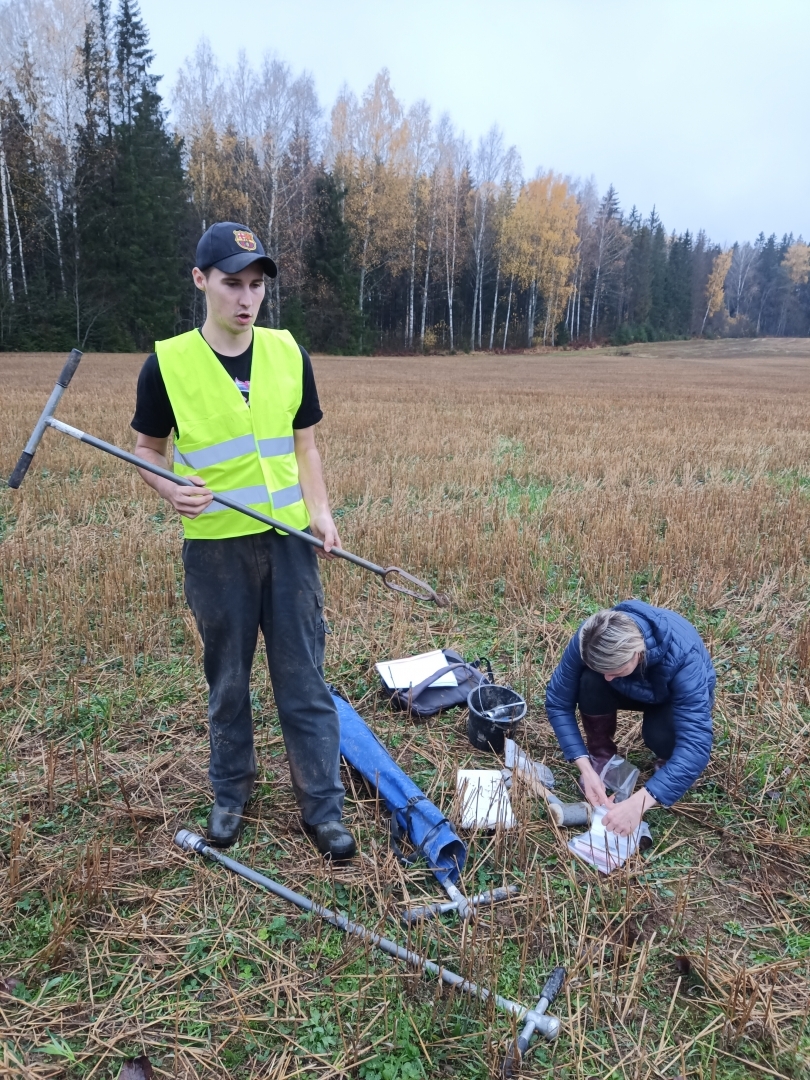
column 484, row 799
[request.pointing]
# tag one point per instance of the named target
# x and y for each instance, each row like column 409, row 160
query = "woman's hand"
column 592, row 786
column 625, row 817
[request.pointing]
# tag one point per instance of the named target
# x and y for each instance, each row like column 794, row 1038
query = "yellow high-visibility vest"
column 244, row 451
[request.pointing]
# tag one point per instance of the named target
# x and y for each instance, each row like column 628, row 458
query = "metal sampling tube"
column 189, row 841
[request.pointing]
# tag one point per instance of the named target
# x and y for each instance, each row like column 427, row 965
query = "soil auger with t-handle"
column 536, row 1021
column 47, row 419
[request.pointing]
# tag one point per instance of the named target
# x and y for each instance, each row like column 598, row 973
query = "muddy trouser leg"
column 658, row 730
column 293, row 626
column 223, row 590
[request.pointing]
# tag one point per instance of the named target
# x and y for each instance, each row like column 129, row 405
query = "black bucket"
column 506, row 709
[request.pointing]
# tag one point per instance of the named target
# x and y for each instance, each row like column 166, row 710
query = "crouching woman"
column 643, row 659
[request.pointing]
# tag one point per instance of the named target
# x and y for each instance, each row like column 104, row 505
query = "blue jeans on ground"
column 271, row 582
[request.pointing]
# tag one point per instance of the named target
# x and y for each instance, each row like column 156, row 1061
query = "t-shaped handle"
column 62, row 383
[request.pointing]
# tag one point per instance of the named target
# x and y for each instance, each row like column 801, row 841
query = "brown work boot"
column 599, row 733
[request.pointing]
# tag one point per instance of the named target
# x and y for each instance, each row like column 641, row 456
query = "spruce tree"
column 133, row 210
column 679, row 286
column 769, row 278
column 154, row 219
column 327, row 313
column 133, row 58
column 658, row 277
column 639, row 275
column 104, row 63
column 94, row 238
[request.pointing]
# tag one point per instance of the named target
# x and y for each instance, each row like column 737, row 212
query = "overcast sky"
column 700, row 107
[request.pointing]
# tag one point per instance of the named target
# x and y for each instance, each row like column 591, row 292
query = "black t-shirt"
column 154, row 415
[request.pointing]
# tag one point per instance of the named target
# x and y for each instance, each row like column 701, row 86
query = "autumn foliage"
column 392, row 230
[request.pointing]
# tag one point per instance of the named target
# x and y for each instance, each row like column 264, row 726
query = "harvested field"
column 533, row 489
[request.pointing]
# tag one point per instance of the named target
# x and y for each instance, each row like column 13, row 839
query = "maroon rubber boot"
column 599, row 734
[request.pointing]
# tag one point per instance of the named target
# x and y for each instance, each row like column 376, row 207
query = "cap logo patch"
column 246, row 240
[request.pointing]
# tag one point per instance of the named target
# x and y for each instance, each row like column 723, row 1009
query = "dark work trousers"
column 234, row 587
column 597, row 697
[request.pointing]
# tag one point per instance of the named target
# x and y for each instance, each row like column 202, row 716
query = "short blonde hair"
column 608, row 640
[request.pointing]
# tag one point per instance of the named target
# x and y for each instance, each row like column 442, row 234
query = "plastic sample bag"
column 620, row 777
column 606, row 850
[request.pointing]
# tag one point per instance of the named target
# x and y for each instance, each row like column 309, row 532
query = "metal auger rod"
column 189, row 841
column 430, row 911
column 48, row 420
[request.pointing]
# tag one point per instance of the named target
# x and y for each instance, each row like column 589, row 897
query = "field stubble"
column 534, row 490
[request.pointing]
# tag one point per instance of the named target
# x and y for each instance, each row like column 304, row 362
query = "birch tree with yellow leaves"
column 797, row 263
column 418, row 158
column 716, row 285
column 453, row 184
column 367, row 150
column 541, row 249
column 492, row 160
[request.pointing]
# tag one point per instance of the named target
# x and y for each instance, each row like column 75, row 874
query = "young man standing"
column 242, row 403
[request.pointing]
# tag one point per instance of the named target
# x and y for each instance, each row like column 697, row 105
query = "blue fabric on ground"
column 425, row 824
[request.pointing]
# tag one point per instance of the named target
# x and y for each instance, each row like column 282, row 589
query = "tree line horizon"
column 391, row 231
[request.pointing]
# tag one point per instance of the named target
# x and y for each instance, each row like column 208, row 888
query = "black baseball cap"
column 231, row 247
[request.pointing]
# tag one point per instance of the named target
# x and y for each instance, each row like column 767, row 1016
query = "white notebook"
column 413, row 670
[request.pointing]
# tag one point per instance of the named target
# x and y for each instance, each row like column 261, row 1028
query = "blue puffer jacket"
column 678, row 668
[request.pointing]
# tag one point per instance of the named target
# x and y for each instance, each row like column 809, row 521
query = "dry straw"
column 533, row 489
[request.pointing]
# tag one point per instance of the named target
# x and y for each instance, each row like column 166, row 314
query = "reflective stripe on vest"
column 277, row 447
column 287, row 496
column 218, row 452
column 246, row 452
column 247, row 496
column 234, row 448
column 251, row 496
